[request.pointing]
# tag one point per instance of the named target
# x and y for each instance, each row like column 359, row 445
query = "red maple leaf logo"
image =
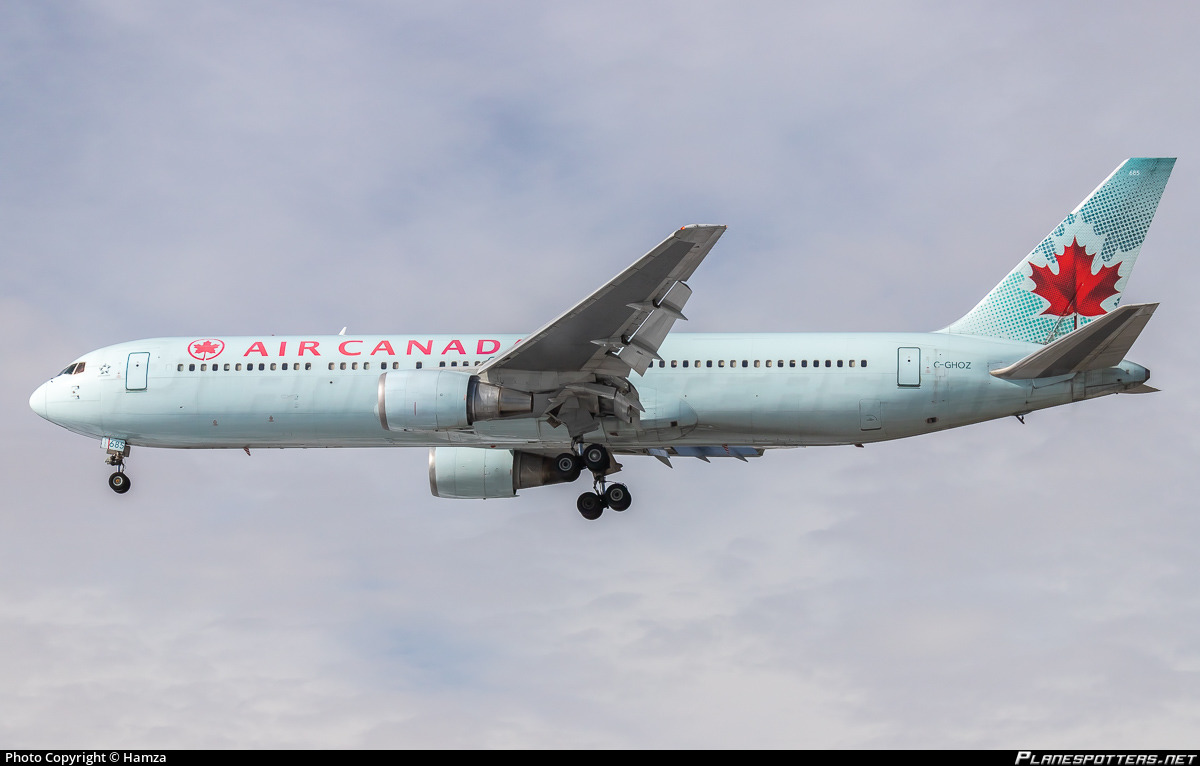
column 1075, row 289
column 206, row 349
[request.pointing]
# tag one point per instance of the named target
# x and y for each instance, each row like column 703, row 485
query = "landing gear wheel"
column 119, row 483
column 568, row 466
column 617, row 497
column 590, row 505
column 596, row 458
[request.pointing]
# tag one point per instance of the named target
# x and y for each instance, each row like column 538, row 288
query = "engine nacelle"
column 479, row 473
column 440, row 400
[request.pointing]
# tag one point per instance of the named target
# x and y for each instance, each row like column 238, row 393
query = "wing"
column 582, row 359
column 619, row 327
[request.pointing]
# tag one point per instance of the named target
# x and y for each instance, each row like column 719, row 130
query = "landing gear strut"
column 615, row 496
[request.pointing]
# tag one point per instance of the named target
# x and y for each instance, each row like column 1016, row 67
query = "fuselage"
column 755, row 389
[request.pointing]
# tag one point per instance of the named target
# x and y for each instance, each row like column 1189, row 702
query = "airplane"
column 607, row 379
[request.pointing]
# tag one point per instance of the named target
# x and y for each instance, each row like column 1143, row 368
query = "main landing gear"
column 597, row 459
column 117, row 452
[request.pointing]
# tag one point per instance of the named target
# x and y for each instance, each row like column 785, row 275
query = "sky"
column 222, row 168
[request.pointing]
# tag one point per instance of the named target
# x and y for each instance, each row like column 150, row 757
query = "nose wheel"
column 119, row 482
column 591, row 505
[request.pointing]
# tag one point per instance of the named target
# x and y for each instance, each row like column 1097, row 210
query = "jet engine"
column 439, row 400
column 479, row 473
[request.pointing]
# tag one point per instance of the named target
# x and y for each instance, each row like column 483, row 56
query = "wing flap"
column 1100, row 344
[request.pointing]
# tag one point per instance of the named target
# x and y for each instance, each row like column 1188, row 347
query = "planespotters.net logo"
column 1030, row 758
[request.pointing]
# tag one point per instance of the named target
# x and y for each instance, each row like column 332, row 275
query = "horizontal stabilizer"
column 1099, row 344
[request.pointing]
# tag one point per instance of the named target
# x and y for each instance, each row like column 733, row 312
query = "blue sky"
column 243, row 168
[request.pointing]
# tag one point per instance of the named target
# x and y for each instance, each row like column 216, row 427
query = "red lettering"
column 479, row 349
column 283, row 348
column 256, row 347
column 426, row 349
column 383, row 345
column 455, row 344
column 309, row 345
column 342, row 348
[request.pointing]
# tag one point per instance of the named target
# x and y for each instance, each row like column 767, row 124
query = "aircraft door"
column 137, row 371
column 908, row 367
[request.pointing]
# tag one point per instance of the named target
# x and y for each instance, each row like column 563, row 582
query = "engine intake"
column 440, row 400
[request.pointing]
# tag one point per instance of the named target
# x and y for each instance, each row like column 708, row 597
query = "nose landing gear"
column 118, row 450
column 615, row 496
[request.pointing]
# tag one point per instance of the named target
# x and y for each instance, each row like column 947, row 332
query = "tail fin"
column 1079, row 271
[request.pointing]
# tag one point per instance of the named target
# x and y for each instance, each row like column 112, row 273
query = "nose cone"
column 37, row 402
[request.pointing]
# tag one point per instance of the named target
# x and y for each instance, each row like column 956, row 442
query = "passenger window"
column 708, row 363
column 792, row 363
column 342, row 365
column 697, row 363
column 769, row 363
column 191, row 368
column 261, row 367
column 227, row 367
column 454, row 364
column 179, row 368
column 331, row 365
column 419, row 365
column 308, row 365
column 755, row 363
column 674, row 363
column 366, row 365
column 285, row 364
column 720, row 362
column 862, row 363
column 238, row 367
column 272, row 366
column 396, row 365
column 354, row 365
column 803, row 362
column 827, row 363
column 441, row 364
column 745, row 363
column 204, row 368
column 851, row 362
column 778, row 365
column 839, row 363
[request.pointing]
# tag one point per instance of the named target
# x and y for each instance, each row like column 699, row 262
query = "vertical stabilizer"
column 1079, row 271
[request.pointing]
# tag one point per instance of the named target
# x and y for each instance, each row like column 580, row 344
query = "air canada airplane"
column 607, row 379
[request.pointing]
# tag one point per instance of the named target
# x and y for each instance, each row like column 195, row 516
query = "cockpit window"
column 78, row 368
column 70, row 370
